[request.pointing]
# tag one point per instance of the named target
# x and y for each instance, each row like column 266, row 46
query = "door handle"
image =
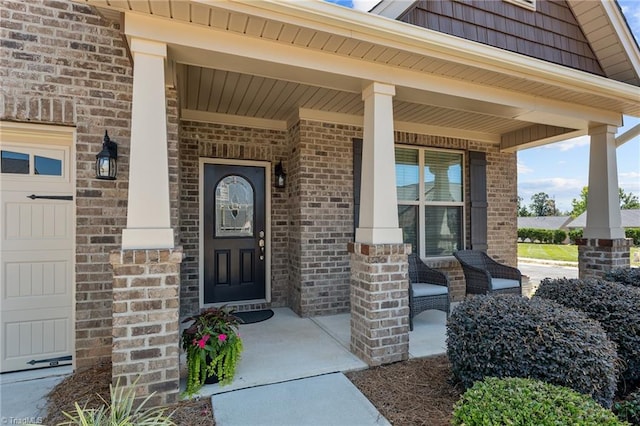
column 261, row 245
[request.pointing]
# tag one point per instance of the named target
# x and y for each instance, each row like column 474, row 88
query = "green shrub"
column 523, row 234
column 545, row 236
column 626, row 276
column 559, row 236
column 518, row 401
column 575, row 234
column 510, row 336
column 615, row 306
column 634, row 234
column 629, row 409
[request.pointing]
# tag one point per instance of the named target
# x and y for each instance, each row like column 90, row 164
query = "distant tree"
column 522, row 209
column 579, row 205
column 627, row 201
column 552, row 210
column 543, row 205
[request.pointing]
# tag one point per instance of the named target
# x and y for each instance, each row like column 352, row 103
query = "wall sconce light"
column 281, row 176
column 107, row 159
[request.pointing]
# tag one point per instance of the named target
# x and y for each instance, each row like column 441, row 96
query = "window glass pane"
column 443, row 231
column 234, row 207
column 408, row 218
column 47, row 166
column 407, row 171
column 442, row 176
column 14, row 162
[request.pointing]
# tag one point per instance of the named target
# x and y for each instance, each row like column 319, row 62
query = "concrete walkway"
column 23, row 394
column 326, row 400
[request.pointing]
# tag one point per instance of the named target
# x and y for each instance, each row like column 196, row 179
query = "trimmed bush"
column 615, row 306
column 517, row 401
column 575, row 234
column 634, row 234
column 559, row 236
column 629, row 409
column 626, row 276
column 510, row 336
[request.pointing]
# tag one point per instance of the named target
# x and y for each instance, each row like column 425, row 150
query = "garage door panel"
column 35, row 335
column 28, row 284
column 29, row 223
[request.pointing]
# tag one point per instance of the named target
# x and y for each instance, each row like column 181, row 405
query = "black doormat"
column 250, row 317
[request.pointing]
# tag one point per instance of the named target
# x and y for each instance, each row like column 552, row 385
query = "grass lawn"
column 567, row 253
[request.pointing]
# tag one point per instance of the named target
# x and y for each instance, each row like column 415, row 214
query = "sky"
column 562, row 169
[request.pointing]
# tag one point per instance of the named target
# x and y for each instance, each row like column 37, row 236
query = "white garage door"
column 37, row 247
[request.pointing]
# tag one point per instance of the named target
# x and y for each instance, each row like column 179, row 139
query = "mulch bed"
column 414, row 392
column 88, row 386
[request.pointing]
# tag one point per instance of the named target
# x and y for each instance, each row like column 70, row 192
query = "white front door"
column 36, row 247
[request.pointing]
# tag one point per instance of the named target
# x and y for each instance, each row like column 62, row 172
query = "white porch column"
column 378, row 198
column 148, row 215
column 603, row 202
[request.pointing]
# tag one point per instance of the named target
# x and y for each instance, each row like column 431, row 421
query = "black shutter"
column 357, row 171
column 478, row 199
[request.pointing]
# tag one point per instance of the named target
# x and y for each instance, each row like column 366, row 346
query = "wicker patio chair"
column 428, row 289
column 486, row 276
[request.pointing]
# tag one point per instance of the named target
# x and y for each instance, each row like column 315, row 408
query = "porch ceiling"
column 264, row 59
column 224, row 92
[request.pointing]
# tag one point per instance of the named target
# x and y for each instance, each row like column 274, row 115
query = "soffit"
column 232, row 93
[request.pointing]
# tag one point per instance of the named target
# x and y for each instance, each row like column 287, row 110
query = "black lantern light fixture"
column 281, row 176
column 107, row 159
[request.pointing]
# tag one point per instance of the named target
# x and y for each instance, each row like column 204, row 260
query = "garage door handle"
column 51, row 197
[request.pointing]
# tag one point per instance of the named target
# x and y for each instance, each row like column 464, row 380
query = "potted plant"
column 213, row 346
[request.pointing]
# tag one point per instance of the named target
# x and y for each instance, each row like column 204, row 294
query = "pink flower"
column 222, row 337
column 202, row 342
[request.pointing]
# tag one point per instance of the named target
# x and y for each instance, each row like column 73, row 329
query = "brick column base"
column 379, row 302
column 596, row 256
column 146, row 340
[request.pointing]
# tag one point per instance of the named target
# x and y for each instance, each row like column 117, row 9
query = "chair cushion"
column 502, row 283
column 425, row 289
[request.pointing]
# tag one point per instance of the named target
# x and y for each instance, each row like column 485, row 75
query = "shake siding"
column 550, row 33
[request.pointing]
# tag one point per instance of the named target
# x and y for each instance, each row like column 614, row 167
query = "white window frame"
column 527, row 4
column 422, row 203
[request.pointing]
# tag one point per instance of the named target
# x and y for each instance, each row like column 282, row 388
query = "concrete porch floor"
column 287, row 347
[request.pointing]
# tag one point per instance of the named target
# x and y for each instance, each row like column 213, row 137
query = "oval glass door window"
column 234, row 207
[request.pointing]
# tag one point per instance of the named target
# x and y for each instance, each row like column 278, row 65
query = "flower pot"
column 210, row 380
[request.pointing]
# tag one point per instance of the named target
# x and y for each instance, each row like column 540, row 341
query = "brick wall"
column 322, row 211
column 61, row 63
column 229, row 142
